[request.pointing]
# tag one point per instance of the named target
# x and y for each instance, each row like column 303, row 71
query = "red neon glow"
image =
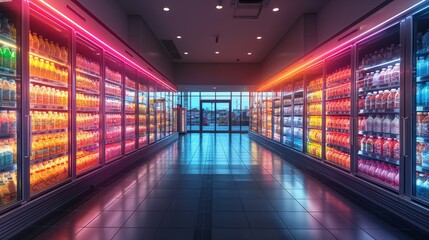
column 99, row 40
column 276, row 79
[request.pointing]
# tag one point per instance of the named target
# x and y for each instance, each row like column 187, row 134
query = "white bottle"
column 386, row 124
column 394, row 125
column 369, row 124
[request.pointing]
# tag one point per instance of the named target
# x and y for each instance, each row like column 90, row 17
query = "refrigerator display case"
column 152, row 121
column 254, row 112
column 421, row 106
column 267, row 114
column 287, row 115
column 113, row 93
column 298, row 113
column 10, row 104
column 379, row 97
column 338, row 110
column 314, row 111
column 49, row 59
column 167, row 113
column 160, row 113
column 88, row 107
column 130, row 109
column 143, row 112
column 277, row 114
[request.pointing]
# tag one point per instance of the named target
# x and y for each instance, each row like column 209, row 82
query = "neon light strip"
column 293, row 71
column 8, row 44
column 99, row 40
column 382, row 64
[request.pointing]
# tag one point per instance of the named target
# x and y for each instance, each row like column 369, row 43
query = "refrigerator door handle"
column 404, row 148
column 29, row 136
column 352, row 130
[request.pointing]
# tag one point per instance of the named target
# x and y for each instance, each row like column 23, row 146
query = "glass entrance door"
column 215, row 116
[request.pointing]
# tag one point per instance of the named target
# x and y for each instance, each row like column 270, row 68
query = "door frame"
column 215, row 110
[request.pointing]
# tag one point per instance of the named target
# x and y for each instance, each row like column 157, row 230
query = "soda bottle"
column 41, row 45
column 13, row 60
column 6, row 89
column 419, row 119
column 7, row 57
column 12, row 86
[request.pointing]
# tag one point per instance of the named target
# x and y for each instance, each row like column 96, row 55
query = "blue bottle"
column 419, row 183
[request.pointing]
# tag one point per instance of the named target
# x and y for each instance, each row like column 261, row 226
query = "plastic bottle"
column 370, row 145
column 425, row 125
column 384, row 99
column 419, row 119
column 7, row 57
column 377, row 125
column 396, row 149
column 386, row 124
column 424, row 94
column 5, row 27
column 388, row 148
column 12, row 87
column 378, row 99
column 395, row 74
column 397, row 102
column 376, row 78
column 391, row 98
column 368, row 101
column 394, row 126
column 369, row 124
column 6, row 89
column 381, row 78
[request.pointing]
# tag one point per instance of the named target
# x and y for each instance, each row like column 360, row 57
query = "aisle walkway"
column 215, row 187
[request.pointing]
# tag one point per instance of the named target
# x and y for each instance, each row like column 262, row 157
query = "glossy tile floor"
column 215, row 187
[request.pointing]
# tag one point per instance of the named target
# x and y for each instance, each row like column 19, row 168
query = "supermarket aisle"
column 214, row 187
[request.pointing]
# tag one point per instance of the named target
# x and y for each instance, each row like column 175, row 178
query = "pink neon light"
column 339, row 47
column 99, row 40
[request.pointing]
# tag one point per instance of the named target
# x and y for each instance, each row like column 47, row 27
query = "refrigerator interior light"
column 36, row 3
column 382, row 64
column 278, row 78
column 6, row 43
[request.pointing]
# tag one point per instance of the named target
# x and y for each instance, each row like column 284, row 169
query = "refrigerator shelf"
column 87, row 91
column 422, row 138
column 422, row 52
column 88, row 128
column 116, row 82
column 130, row 112
column 8, row 168
column 379, row 65
column 376, row 181
column 337, row 130
column 287, row 125
column 297, row 148
column 113, row 111
column 343, row 149
column 90, row 110
column 424, row 78
column 386, row 86
column 338, row 97
column 48, row 107
column 7, row 105
column 316, row 128
column 112, row 96
column 422, row 108
column 422, row 169
column 130, row 123
column 40, row 132
column 48, row 82
column 7, row 72
column 88, row 147
column 130, row 137
column 380, row 158
column 51, row 157
column 338, row 83
column 7, row 135
column 340, row 113
column 315, row 142
column 8, row 41
column 298, row 91
column 376, row 134
column 50, row 59
column 130, row 88
column 113, row 125
column 287, row 104
column 113, row 140
column 287, row 94
column 372, row 111
column 298, row 103
column 316, row 101
column 88, row 72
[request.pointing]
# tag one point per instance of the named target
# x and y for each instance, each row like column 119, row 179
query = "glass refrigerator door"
column 338, row 110
column 287, row 117
column 143, row 111
column 267, row 114
column 378, row 108
column 130, row 110
column 277, row 105
column 152, row 114
column 88, row 78
column 113, row 108
column 10, row 107
column 314, row 112
column 298, row 113
column 421, row 111
column 49, row 103
column 254, row 101
column 160, row 113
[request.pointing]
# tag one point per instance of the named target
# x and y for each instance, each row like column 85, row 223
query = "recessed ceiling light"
column 249, row 53
column 179, row 37
column 217, row 52
column 166, row 9
column 276, row 9
column 219, row 7
column 259, row 37
column 186, row 53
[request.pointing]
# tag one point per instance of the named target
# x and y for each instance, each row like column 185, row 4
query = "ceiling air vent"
column 171, row 49
column 248, row 9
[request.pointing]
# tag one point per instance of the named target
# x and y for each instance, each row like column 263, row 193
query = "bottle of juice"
column 1, row 89
column 394, row 126
column 396, row 149
column 370, row 144
column 378, row 146
column 384, row 99
column 372, row 100
column 388, row 148
column 35, row 46
column 378, row 99
column 419, row 119
column 12, row 87
column 397, row 100
column 386, row 124
column 395, row 74
column 382, row 76
column 425, row 125
column 7, row 57
column 13, row 59
column 41, row 45
column 6, row 89
column 391, row 99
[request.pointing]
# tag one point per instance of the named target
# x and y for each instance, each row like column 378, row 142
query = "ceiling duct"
column 171, row 49
column 248, row 9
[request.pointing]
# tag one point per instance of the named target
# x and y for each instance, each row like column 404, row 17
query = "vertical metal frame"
column 354, row 144
column 323, row 130
column 73, row 105
column 103, row 108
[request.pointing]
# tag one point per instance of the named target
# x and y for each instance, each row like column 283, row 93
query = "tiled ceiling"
column 205, row 30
